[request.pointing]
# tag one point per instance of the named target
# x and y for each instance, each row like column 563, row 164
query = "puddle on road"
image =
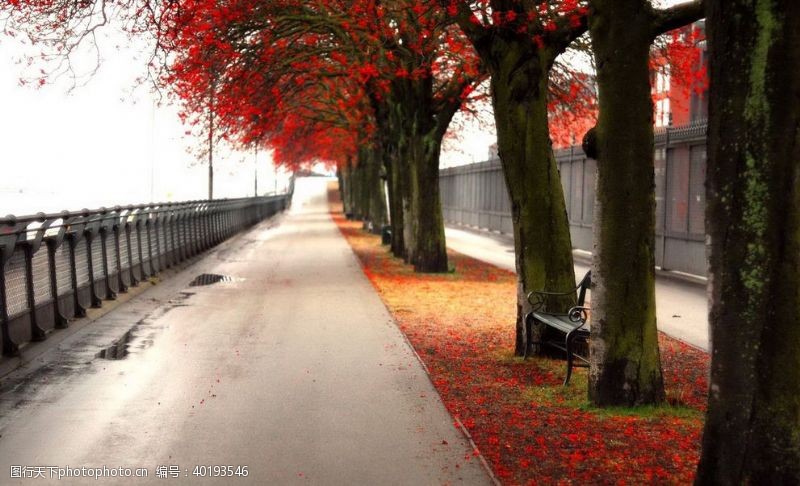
column 50, row 376
column 209, row 279
column 135, row 336
column 119, row 349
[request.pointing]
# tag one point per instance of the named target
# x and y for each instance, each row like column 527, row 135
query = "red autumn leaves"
column 283, row 73
column 530, row 428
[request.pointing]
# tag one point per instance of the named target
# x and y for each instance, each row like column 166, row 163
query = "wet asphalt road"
column 293, row 369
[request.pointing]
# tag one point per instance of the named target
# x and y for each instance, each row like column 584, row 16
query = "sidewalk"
column 682, row 309
column 294, row 368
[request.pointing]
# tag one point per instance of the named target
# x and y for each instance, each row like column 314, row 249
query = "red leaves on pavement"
column 530, row 428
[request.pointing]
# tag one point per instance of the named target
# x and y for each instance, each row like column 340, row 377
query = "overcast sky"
column 102, row 144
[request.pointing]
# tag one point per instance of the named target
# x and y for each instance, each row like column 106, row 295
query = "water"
column 22, row 202
column 55, row 194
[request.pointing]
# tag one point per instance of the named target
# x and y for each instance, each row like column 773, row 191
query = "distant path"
column 295, row 369
column 681, row 307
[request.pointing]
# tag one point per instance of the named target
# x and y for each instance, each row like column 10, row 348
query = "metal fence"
column 475, row 195
column 55, row 266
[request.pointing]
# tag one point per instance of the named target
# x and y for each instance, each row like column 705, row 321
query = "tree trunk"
column 349, row 178
column 423, row 222
column 418, row 147
column 394, row 183
column 377, row 194
column 430, row 251
column 340, row 176
column 625, row 367
column 364, row 187
column 541, row 229
column 752, row 430
column 387, row 123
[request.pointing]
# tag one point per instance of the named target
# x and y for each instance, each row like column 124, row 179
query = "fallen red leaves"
column 530, row 428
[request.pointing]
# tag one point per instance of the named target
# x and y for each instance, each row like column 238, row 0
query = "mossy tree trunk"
column 340, row 176
column 349, row 178
column 625, row 368
column 376, row 192
column 429, row 253
column 752, row 430
column 541, row 230
column 520, row 67
column 387, row 137
column 361, row 187
column 395, row 187
column 421, row 125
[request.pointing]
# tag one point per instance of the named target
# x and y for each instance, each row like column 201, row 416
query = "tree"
column 519, row 43
column 413, row 65
column 752, row 430
column 625, row 368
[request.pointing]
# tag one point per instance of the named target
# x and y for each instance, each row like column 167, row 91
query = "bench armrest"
column 579, row 313
column 538, row 298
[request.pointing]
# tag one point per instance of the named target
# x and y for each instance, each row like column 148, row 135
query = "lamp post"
column 255, row 170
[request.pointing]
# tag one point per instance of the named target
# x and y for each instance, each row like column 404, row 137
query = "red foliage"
column 283, row 73
column 530, row 428
column 302, row 76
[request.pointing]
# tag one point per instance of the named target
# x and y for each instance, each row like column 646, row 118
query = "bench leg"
column 569, row 358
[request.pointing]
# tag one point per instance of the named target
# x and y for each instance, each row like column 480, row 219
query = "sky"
column 109, row 142
column 105, row 143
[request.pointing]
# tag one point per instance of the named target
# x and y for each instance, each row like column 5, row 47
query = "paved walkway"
column 295, row 369
column 681, row 307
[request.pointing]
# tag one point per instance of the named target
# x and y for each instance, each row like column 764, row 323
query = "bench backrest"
column 583, row 286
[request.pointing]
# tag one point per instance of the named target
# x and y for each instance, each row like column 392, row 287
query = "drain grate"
column 209, row 279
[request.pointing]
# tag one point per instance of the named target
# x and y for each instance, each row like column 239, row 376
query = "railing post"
column 207, row 241
column 117, row 226
column 37, row 333
column 138, row 228
column 193, row 227
column 148, row 229
column 52, row 243
column 97, row 302
column 73, row 238
column 159, row 229
column 10, row 348
column 216, row 224
column 166, row 221
column 127, row 228
column 111, row 294
column 174, row 235
column 92, row 231
column 8, row 240
column 184, row 233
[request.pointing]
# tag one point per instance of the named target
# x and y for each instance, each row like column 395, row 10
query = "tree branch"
column 468, row 22
column 677, row 16
column 567, row 34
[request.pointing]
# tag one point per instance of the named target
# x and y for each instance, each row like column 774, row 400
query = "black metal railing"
column 55, row 266
column 475, row 195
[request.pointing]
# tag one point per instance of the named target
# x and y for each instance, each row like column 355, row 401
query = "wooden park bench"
column 569, row 326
